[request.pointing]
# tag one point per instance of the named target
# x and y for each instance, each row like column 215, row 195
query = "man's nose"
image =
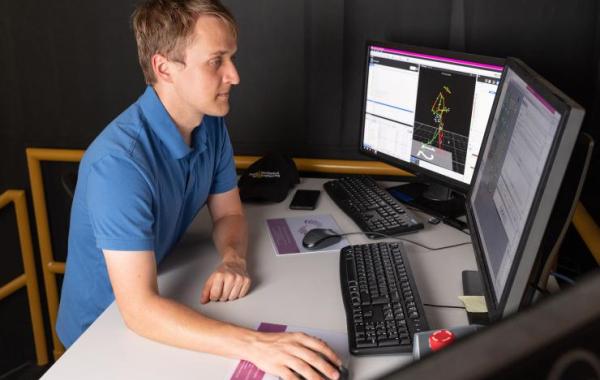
column 232, row 76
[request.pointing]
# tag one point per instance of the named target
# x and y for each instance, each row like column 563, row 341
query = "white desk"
column 298, row 290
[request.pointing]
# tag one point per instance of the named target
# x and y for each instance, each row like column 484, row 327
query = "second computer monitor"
column 426, row 110
column 530, row 139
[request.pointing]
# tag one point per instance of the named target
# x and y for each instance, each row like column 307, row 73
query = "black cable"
column 404, row 239
column 444, row 306
column 566, row 279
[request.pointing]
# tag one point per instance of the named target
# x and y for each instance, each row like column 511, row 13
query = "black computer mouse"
column 344, row 373
column 319, row 238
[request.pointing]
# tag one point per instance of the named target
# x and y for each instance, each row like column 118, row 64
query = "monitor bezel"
column 497, row 307
column 407, row 166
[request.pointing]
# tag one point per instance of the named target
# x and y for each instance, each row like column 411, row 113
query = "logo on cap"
column 263, row 174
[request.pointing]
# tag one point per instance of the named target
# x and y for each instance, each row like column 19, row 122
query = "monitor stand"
column 432, row 198
column 472, row 286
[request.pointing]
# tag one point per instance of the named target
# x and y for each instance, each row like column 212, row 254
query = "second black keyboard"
column 383, row 308
column 371, row 207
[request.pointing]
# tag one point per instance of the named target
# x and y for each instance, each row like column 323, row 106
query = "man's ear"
column 162, row 68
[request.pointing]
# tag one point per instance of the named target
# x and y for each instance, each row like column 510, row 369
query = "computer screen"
column 426, row 110
column 531, row 137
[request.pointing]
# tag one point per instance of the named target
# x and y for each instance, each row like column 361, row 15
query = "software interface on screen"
column 522, row 133
column 431, row 111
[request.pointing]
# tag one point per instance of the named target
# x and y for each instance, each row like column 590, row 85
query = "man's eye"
column 216, row 62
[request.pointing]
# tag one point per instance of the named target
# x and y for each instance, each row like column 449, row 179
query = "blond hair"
column 167, row 26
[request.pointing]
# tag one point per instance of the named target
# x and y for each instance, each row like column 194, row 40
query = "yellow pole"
column 56, row 267
column 14, row 285
column 44, row 241
column 319, row 165
column 588, row 230
column 29, row 279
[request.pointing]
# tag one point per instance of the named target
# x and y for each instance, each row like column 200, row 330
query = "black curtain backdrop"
column 68, row 68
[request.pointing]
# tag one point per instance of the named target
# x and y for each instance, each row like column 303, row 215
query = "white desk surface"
column 298, row 290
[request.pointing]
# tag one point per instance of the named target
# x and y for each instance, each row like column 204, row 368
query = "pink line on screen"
column 542, row 100
column 444, row 59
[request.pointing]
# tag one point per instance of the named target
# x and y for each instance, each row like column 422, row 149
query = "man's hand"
column 230, row 234
column 291, row 355
column 229, row 282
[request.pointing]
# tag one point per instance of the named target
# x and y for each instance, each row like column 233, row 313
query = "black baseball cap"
column 269, row 179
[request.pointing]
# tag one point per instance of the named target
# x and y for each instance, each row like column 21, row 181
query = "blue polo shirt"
column 139, row 187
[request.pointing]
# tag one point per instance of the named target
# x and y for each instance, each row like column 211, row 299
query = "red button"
column 440, row 339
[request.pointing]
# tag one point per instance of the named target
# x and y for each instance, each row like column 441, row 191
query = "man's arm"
column 230, row 234
column 134, row 282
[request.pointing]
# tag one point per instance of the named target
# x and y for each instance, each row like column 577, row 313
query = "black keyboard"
column 383, row 308
column 371, row 206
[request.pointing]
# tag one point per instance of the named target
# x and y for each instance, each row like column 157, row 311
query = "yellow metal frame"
column 317, row 165
column 582, row 220
column 50, row 267
column 588, row 230
column 29, row 278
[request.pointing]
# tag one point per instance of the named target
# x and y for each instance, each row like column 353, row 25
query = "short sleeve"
column 225, row 177
column 119, row 198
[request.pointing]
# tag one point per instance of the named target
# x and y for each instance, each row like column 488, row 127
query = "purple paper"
column 271, row 327
column 282, row 236
column 248, row 371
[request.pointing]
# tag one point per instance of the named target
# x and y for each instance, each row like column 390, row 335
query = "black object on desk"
column 459, row 225
column 371, row 207
column 383, row 307
column 414, row 194
column 269, row 179
column 319, row 238
column 305, row 199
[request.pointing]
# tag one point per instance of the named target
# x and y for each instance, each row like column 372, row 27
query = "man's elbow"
column 137, row 317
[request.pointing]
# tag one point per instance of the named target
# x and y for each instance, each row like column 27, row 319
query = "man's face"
column 204, row 82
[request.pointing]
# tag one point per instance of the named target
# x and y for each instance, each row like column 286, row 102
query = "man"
column 145, row 177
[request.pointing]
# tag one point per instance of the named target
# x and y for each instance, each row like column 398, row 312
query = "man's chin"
column 219, row 111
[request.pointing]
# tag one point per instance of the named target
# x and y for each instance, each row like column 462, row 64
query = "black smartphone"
column 305, row 200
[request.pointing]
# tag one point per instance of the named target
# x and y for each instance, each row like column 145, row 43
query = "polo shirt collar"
column 163, row 126
column 200, row 137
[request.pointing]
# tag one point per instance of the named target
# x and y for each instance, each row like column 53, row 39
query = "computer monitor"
column 426, row 110
column 530, row 139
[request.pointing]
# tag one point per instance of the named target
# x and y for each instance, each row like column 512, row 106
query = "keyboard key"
column 389, row 342
column 366, row 343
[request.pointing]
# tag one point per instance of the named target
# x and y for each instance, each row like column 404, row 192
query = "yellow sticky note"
column 474, row 304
